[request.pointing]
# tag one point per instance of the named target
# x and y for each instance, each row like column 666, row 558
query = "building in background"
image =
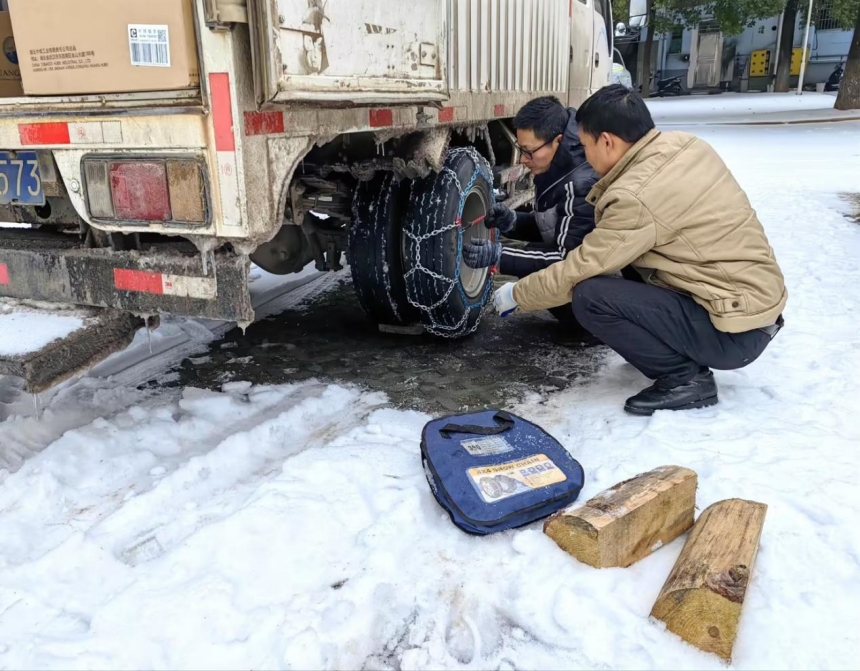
column 707, row 59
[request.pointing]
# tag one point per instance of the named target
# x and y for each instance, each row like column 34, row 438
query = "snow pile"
column 23, row 331
column 291, row 526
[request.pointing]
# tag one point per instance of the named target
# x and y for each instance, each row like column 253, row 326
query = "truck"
column 366, row 132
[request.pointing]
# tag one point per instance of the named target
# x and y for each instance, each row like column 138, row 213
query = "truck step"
column 46, row 344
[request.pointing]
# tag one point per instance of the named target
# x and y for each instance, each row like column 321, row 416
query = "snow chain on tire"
column 434, row 233
column 375, row 250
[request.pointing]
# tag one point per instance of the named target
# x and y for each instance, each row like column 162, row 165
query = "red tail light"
column 139, row 191
column 130, row 190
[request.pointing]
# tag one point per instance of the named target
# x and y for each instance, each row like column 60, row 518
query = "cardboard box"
column 80, row 47
column 10, row 73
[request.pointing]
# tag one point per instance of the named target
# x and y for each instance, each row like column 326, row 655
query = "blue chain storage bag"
column 493, row 471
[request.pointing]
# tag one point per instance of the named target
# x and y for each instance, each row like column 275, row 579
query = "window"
column 824, row 19
column 677, row 39
column 604, row 9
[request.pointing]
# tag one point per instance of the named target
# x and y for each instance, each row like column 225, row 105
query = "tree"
column 846, row 14
column 849, row 90
column 786, row 44
column 651, row 27
column 621, row 11
column 730, row 16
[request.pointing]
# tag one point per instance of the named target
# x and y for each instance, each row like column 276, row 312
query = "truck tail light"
column 140, row 191
column 186, row 191
column 130, row 190
column 97, row 176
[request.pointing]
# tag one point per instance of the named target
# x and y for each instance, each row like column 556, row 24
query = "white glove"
column 503, row 299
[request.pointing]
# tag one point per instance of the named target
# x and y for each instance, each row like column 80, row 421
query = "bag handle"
column 505, row 423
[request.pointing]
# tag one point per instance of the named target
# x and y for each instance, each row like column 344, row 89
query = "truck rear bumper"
column 63, row 271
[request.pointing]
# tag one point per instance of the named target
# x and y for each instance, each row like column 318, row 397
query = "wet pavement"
column 330, row 339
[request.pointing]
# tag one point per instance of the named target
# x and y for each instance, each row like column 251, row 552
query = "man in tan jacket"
column 711, row 293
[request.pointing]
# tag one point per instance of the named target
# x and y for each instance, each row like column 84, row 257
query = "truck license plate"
column 20, row 179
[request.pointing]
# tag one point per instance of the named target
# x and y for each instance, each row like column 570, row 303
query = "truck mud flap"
column 139, row 282
column 102, row 333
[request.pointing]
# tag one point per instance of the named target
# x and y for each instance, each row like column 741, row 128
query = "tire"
column 376, row 250
column 446, row 209
column 491, row 488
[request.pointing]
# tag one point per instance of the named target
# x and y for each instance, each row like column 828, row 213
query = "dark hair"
column 618, row 110
column 546, row 117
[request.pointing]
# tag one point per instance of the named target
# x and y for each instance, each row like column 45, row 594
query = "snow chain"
column 431, row 323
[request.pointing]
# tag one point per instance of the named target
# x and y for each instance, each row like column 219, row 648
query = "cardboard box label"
column 149, row 45
column 10, row 73
column 69, row 57
column 9, row 49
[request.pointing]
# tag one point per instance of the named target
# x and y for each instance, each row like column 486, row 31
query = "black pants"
column 665, row 334
column 567, row 318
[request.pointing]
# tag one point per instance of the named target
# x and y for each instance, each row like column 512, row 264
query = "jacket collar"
column 622, row 165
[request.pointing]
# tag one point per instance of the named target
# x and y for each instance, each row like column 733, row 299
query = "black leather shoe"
column 700, row 392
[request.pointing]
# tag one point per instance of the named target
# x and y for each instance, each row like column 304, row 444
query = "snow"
column 747, row 108
column 23, row 331
column 291, row 526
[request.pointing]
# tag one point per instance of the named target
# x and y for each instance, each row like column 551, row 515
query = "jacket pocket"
column 655, row 281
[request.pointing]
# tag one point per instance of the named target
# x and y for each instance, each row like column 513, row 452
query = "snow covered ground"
column 23, row 330
column 756, row 108
column 291, row 527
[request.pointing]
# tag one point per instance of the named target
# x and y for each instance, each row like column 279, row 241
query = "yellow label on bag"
column 499, row 482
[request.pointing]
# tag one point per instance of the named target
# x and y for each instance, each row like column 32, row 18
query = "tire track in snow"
column 110, row 387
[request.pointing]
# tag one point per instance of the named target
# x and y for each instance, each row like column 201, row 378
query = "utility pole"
column 803, row 55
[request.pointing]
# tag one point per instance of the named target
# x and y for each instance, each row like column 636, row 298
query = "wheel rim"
column 474, row 211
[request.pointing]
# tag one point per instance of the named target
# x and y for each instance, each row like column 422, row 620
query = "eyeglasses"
column 530, row 153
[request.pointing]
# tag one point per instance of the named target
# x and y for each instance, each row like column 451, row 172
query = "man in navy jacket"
column 548, row 140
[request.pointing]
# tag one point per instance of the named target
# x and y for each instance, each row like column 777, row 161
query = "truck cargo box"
column 350, row 49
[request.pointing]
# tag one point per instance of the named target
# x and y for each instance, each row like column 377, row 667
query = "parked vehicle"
column 620, row 73
column 670, row 86
column 835, row 78
column 320, row 127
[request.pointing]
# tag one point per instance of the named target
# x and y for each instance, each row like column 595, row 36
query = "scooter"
column 669, row 87
column 835, row 79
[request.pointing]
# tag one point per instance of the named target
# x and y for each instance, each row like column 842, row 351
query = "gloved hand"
column 501, row 217
column 503, row 299
column 482, row 253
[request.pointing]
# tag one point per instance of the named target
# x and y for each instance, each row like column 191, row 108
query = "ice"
column 292, row 526
column 25, row 331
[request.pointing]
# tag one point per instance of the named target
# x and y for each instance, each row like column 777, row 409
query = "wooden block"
column 703, row 595
column 629, row 521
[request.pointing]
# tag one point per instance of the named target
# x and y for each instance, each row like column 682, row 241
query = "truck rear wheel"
column 376, row 250
column 446, row 210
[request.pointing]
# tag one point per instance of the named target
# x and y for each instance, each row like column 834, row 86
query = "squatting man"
column 707, row 292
